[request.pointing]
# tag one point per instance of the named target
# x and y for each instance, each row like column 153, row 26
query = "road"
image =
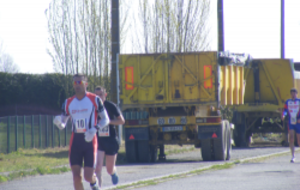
column 130, row 173
column 271, row 174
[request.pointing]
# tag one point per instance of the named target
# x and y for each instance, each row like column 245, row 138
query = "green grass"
column 37, row 171
column 30, row 162
column 33, row 162
column 28, row 159
column 173, row 177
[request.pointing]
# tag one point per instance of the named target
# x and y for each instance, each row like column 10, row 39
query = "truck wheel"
column 236, row 136
column 130, row 148
column 143, row 148
column 153, row 152
column 241, row 139
column 206, row 150
column 229, row 146
column 220, row 144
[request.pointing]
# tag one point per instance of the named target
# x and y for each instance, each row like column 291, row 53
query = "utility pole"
column 282, row 31
column 115, row 51
column 115, row 48
column 221, row 45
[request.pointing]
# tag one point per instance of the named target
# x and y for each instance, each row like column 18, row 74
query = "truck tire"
column 206, row 150
column 143, row 152
column 241, row 139
column 229, row 146
column 130, row 149
column 153, row 153
column 220, row 144
column 236, row 136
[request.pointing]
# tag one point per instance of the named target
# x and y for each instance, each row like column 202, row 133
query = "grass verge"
column 37, row 171
column 29, row 159
column 30, row 162
column 149, row 182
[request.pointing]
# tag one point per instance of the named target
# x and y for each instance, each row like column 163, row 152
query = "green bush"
column 38, row 90
column 48, row 90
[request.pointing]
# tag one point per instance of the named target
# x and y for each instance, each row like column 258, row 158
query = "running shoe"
column 95, row 186
column 293, row 159
column 115, row 178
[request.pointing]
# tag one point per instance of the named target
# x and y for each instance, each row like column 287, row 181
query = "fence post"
column 58, row 137
column 66, row 135
column 24, row 131
column 40, row 131
column 8, row 134
column 46, row 140
column 52, row 132
column 32, row 131
column 16, row 134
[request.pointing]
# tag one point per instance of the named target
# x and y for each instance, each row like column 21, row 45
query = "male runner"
column 292, row 109
column 83, row 108
column 107, row 138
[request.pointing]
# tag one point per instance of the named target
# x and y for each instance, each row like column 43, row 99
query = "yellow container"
column 179, row 79
column 276, row 78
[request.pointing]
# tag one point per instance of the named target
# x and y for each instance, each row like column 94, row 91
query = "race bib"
column 293, row 107
column 104, row 131
column 80, row 125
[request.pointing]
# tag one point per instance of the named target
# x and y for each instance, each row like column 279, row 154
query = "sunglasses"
column 78, row 82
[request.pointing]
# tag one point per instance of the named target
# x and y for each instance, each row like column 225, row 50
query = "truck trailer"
column 268, row 84
column 179, row 98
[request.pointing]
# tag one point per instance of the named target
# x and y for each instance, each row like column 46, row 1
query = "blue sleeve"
column 285, row 110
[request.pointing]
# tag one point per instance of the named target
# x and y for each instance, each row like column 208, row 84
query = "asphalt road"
column 272, row 174
column 130, row 173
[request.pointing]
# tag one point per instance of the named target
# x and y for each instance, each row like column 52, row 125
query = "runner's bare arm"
column 60, row 121
column 104, row 119
column 118, row 120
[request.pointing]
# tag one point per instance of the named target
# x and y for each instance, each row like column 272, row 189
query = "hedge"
column 37, row 90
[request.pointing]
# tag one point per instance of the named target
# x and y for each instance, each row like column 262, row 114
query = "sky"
column 251, row 26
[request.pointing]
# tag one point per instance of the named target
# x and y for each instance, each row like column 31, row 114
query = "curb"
column 201, row 168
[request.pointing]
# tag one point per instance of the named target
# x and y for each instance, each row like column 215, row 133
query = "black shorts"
column 109, row 145
column 81, row 151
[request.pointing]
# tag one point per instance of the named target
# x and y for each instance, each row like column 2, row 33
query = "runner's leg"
column 110, row 163
column 111, row 168
column 291, row 141
column 100, row 159
column 90, row 158
column 77, row 177
column 89, row 175
column 298, row 139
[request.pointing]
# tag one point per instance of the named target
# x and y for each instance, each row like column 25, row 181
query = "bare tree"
column 7, row 63
column 79, row 34
column 172, row 26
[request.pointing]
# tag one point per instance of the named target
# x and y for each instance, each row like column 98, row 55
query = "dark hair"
column 294, row 90
column 82, row 76
column 100, row 88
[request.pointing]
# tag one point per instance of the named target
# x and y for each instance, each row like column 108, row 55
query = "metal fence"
column 35, row 131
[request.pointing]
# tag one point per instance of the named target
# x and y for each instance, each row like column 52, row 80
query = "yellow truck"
column 176, row 98
column 267, row 87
